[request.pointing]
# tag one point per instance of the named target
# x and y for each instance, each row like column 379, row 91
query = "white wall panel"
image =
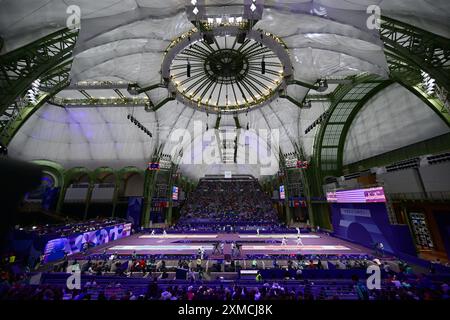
column 436, row 178
column 393, row 119
column 403, row 181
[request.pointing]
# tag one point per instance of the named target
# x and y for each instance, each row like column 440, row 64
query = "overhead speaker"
column 241, row 37
column 208, row 38
column 188, row 70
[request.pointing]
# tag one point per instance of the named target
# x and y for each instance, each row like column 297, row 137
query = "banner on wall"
column 57, row 248
column 368, row 224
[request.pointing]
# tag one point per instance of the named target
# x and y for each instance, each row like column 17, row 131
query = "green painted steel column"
column 61, row 196
column 117, row 186
column 169, row 211
column 286, row 200
column 320, row 215
column 149, row 189
column 88, row 199
column 172, row 182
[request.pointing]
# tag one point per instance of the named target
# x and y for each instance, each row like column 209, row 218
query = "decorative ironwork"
column 19, row 68
column 226, row 71
column 414, row 49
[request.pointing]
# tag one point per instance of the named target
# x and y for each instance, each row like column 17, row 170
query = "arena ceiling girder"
column 403, row 53
column 21, row 110
column 47, row 59
column 331, row 137
column 326, row 146
column 19, row 68
column 416, row 47
column 409, row 50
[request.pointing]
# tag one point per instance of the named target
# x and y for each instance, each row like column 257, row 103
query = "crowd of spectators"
column 146, row 265
column 228, row 201
column 399, row 285
column 420, row 289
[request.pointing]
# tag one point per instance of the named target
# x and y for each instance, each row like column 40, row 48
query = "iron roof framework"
column 409, row 51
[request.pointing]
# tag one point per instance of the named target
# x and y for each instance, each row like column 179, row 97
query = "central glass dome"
column 226, row 66
column 228, row 71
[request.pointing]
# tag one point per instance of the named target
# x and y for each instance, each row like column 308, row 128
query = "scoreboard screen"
column 357, row 196
column 153, row 166
column 302, row 164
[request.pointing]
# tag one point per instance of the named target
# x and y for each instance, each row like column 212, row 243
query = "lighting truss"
column 139, row 125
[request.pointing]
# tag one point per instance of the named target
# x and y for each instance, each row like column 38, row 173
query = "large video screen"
column 369, row 195
column 56, row 248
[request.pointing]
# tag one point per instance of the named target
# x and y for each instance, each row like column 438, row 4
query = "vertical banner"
column 134, row 210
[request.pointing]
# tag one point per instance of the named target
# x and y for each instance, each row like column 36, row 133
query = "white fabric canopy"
column 393, row 119
column 125, row 41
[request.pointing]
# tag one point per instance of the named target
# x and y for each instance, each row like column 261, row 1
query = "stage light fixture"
column 33, row 92
column 241, row 37
column 428, row 83
column 263, row 66
column 188, row 69
column 307, row 104
column 318, row 121
column 139, row 125
column 3, row 150
column 208, row 38
column 322, row 85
